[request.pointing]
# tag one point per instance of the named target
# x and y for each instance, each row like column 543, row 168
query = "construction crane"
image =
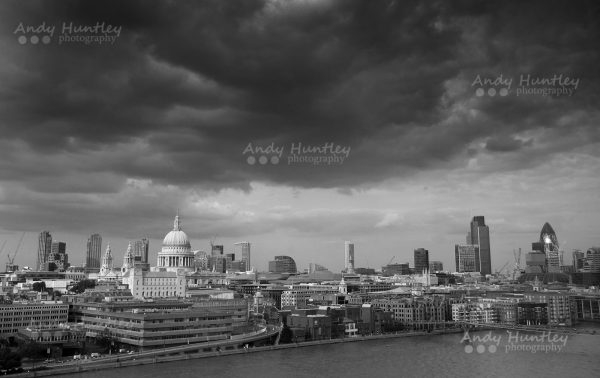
column 392, row 259
column 517, row 267
column 498, row 272
column 10, row 265
column 2, row 248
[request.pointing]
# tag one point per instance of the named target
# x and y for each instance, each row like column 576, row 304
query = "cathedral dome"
column 176, row 241
column 176, row 238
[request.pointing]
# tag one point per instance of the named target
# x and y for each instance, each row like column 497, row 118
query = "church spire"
column 107, row 262
column 128, row 261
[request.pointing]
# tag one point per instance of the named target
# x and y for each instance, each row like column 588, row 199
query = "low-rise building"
column 160, row 323
column 474, row 312
column 306, row 324
column 415, row 312
column 155, row 284
column 298, row 295
column 532, row 313
column 558, row 306
column 17, row 316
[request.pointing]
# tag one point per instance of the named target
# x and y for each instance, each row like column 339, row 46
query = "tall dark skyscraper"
column 93, row 255
column 44, row 249
column 421, row 260
column 480, row 236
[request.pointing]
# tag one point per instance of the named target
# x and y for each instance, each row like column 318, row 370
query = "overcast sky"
column 167, row 112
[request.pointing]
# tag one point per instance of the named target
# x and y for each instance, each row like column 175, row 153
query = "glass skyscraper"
column 549, row 244
column 244, row 249
column 480, row 236
column 44, row 249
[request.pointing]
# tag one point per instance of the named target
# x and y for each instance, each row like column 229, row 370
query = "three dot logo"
column 492, row 92
column 480, row 348
column 34, row 39
column 262, row 160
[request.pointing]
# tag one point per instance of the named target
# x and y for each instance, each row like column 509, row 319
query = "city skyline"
column 440, row 113
column 448, row 259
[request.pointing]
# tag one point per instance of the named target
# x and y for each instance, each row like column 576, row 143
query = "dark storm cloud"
column 187, row 86
column 506, row 144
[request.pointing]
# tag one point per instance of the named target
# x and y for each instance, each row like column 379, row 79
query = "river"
column 489, row 354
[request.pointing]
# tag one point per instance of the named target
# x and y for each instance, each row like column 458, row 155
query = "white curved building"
column 176, row 251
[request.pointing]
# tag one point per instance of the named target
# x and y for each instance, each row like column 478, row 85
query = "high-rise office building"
column 549, row 244
column 93, row 255
column 421, row 260
column 480, row 236
column 58, row 260
column 44, row 249
column 578, row 260
column 244, row 252
column 140, row 250
column 349, row 257
column 465, row 257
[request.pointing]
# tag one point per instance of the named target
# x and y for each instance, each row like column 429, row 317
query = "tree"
column 39, row 286
column 80, row 286
column 9, row 359
column 286, row 335
column 31, row 349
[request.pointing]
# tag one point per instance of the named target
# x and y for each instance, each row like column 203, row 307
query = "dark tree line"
column 80, row 286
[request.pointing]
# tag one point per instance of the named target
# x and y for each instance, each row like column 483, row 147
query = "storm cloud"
column 185, row 87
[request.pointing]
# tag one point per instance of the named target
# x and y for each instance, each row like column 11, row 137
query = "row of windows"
column 6, row 320
column 21, row 313
column 160, row 293
column 163, row 329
